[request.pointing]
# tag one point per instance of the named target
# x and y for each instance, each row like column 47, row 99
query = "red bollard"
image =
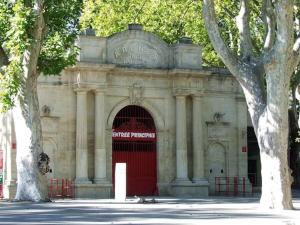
column 62, row 188
column 235, row 187
column 68, row 191
column 217, row 187
column 1, row 191
column 244, row 186
column 50, row 189
column 227, row 185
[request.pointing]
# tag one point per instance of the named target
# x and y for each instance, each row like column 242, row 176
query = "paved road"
column 212, row 210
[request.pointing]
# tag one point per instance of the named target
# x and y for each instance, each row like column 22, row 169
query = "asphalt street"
column 211, row 210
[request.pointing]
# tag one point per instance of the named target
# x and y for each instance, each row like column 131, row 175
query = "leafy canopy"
column 173, row 19
column 17, row 24
column 169, row 19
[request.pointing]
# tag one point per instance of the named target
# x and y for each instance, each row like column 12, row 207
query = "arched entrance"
column 134, row 143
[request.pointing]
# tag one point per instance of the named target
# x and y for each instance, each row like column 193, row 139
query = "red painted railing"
column 61, row 188
column 1, row 173
column 1, row 191
column 232, row 186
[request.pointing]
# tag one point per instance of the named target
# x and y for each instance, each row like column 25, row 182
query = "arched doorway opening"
column 134, row 143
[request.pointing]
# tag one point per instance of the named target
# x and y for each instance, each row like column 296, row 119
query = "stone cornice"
column 181, row 91
column 217, row 123
column 78, row 89
column 189, row 72
column 172, row 72
column 240, row 98
column 99, row 88
column 197, row 93
column 84, row 66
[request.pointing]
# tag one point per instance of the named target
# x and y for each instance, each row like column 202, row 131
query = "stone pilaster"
column 242, row 137
column 81, row 137
column 181, row 140
column 183, row 186
column 198, row 142
column 100, row 150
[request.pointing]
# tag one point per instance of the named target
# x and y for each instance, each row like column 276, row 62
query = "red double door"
column 134, row 143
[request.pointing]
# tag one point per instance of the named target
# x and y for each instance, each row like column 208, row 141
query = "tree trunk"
column 272, row 135
column 268, row 110
column 32, row 185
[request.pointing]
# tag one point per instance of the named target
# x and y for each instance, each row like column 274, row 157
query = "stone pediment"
column 138, row 49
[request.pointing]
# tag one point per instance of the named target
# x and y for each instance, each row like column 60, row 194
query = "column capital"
column 197, row 94
column 181, row 92
column 100, row 90
column 81, row 90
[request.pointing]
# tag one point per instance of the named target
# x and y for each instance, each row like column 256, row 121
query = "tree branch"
column 248, row 73
column 3, row 57
column 268, row 18
column 242, row 22
column 284, row 37
column 285, row 32
column 225, row 54
column 31, row 55
column 296, row 51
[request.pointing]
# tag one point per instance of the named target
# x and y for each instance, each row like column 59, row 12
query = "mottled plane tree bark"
column 265, row 80
column 36, row 37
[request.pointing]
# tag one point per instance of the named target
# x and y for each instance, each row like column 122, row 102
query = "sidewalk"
column 211, row 210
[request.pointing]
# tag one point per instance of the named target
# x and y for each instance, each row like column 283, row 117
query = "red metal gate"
column 61, row 188
column 134, row 143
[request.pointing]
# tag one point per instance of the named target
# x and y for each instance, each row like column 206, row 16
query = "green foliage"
column 169, row 19
column 58, row 51
column 17, row 24
column 16, row 41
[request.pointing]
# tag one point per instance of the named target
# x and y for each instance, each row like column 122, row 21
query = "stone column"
column 181, row 140
column 81, row 137
column 100, row 150
column 9, row 158
column 198, row 148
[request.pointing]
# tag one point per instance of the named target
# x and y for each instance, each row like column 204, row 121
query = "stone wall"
column 199, row 113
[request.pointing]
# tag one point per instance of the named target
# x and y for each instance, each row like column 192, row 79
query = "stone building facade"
column 197, row 128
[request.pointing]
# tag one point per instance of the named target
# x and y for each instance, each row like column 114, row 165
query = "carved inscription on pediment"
column 136, row 54
column 142, row 52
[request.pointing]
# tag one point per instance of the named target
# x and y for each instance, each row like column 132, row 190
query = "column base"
column 185, row 188
column 200, row 181
column 101, row 181
column 82, row 181
column 182, row 181
column 96, row 191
